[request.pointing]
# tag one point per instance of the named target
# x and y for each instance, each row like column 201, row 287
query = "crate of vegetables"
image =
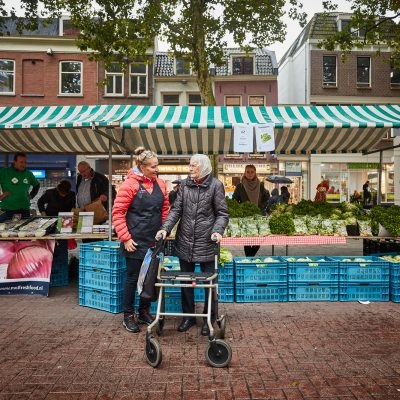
column 312, row 269
column 253, row 270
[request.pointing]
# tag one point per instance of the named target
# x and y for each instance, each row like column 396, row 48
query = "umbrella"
column 278, row 179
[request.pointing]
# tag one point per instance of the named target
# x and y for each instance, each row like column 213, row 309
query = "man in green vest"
column 18, row 187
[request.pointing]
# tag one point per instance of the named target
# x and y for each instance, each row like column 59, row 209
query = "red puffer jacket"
column 125, row 196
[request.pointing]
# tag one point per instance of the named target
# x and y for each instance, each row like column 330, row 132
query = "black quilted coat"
column 201, row 210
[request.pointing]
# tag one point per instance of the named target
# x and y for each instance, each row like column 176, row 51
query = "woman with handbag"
column 140, row 207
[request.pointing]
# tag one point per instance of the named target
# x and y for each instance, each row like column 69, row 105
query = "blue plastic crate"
column 226, row 273
column 59, row 278
column 394, row 272
column 317, row 269
column 313, row 292
column 365, row 269
column 261, row 293
column 102, row 254
column 226, row 293
column 394, row 290
column 260, row 272
column 364, row 291
column 102, row 278
column 101, row 299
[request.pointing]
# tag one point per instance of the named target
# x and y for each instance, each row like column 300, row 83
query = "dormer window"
column 344, row 25
column 242, row 66
column 182, row 67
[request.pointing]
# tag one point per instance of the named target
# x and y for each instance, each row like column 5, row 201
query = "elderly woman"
column 202, row 212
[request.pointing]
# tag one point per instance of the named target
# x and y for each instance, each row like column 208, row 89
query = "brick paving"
column 52, row 348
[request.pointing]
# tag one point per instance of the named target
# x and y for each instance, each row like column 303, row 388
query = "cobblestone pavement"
column 52, row 348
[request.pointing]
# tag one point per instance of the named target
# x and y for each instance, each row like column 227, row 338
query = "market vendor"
column 251, row 189
column 18, row 186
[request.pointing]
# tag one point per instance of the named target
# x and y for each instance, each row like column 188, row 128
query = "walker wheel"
column 218, row 353
column 153, row 352
column 222, row 326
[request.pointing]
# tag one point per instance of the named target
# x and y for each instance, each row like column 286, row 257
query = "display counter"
column 60, row 236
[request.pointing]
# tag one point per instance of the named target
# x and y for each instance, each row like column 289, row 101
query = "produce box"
column 101, row 254
column 394, row 268
column 261, row 292
column 254, row 270
column 312, row 269
column 111, row 301
column 394, row 291
column 365, row 269
column 101, row 278
column 363, row 292
column 316, row 291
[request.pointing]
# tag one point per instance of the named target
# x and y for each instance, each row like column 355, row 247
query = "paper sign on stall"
column 243, row 138
column 265, row 137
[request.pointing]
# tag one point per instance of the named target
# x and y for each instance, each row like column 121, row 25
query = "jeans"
column 188, row 306
column 7, row 215
column 132, row 275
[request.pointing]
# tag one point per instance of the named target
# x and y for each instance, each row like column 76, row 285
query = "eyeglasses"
column 193, row 166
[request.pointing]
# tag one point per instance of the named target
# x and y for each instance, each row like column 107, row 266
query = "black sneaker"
column 145, row 318
column 130, row 323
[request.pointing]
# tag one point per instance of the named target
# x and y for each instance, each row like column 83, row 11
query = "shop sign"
column 239, row 168
column 362, row 165
column 293, row 168
column 172, row 169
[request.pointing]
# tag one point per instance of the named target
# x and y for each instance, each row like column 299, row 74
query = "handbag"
column 151, row 264
column 100, row 213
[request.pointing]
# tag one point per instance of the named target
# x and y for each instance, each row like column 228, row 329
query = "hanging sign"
column 265, row 137
column 242, row 138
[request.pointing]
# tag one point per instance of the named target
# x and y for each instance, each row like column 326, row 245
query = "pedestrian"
column 202, row 213
column 18, row 186
column 90, row 186
column 274, row 199
column 251, row 189
column 173, row 194
column 366, row 193
column 59, row 199
column 285, row 195
column 140, row 207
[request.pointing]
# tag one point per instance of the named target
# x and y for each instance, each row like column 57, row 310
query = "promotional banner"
column 265, row 138
column 25, row 266
column 243, row 138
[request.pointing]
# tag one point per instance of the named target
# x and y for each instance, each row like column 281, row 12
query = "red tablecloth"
column 279, row 240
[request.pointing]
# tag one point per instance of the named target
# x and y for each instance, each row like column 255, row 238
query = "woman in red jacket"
column 140, row 207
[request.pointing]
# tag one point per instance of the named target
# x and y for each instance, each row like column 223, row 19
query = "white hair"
column 204, row 164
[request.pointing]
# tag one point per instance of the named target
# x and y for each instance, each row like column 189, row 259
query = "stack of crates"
column 394, row 288
column 59, row 268
column 312, row 278
column 363, row 278
column 226, row 282
column 260, row 279
column 102, row 273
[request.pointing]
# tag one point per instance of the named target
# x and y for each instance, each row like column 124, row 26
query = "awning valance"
column 191, row 129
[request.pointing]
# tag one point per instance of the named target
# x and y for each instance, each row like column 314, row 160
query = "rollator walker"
column 218, row 352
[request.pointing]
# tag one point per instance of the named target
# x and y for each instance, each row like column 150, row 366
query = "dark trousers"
column 251, row 251
column 7, row 215
column 188, row 306
column 132, row 275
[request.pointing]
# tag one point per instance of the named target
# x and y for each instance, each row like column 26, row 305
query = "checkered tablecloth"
column 279, row 240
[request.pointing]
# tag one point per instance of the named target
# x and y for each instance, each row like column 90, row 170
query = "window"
column 363, row 71
column 7, row 77
column 256, row 100
column 329, row 71
column 394, row 74
column 344, row 25
column 114, row 80
column 242, row 65
column 194, row 99
column 71, row 77
column 233, row 100
column 182, row 67
column 138, row 79
column 170, row 99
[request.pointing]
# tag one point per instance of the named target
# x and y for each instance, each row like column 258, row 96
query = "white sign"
column 242, row 138
column 265, row 137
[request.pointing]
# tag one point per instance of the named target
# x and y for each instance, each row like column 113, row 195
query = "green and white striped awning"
column 188, row 129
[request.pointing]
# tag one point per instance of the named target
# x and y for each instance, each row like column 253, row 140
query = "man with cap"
column 173, row 194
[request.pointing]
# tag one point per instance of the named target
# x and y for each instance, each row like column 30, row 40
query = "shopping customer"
column 202, row 212
column 251, row 189
column 59, row 199
column 18, row 187
column 140, row 207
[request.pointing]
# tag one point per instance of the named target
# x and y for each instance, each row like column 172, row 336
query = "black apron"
column 143, row 219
